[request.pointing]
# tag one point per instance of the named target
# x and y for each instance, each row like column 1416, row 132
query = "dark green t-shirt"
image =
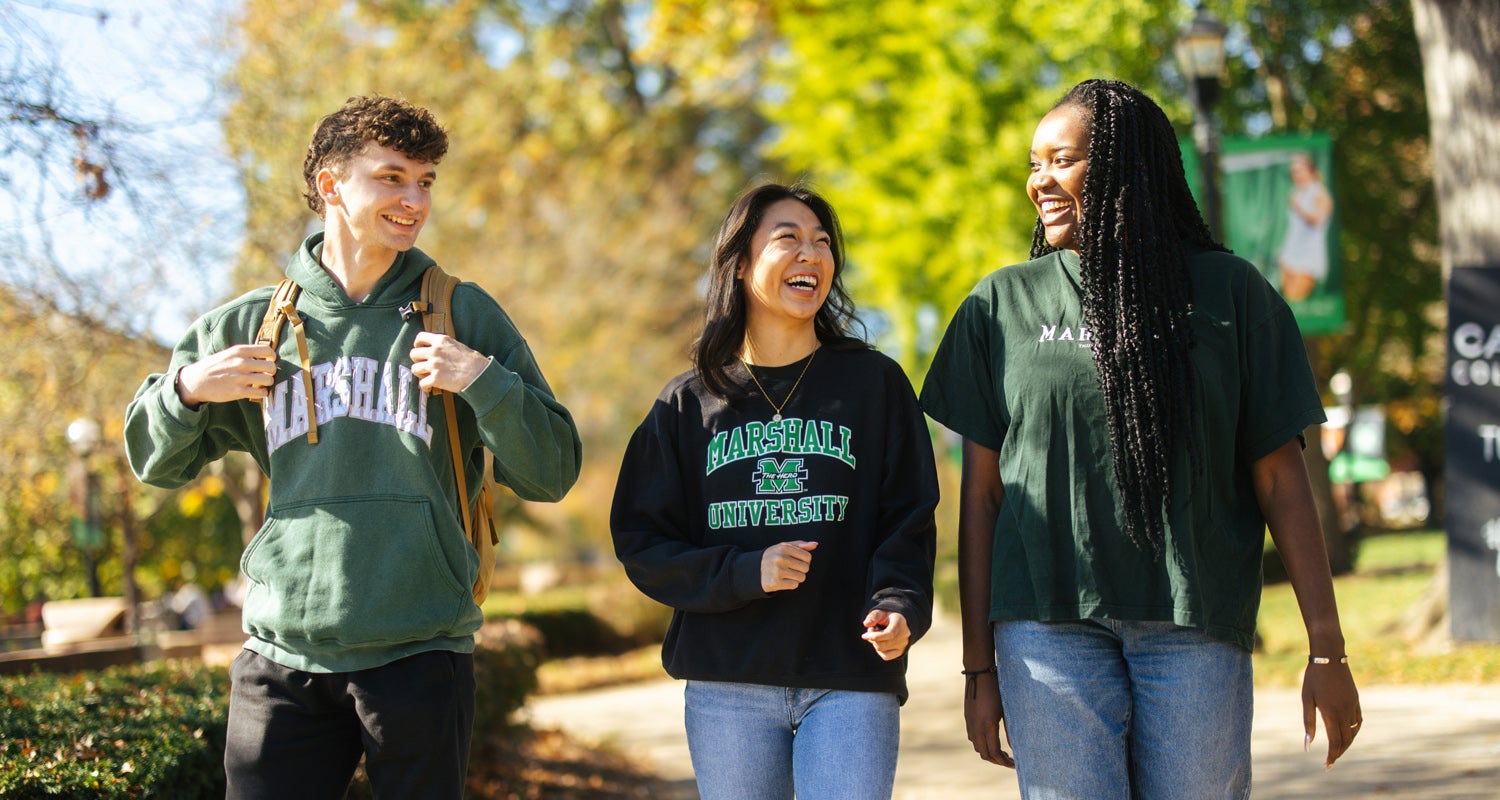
column 1015, row 373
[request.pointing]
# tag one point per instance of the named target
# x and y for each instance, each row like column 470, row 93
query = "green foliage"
column 158, row 730
column 916, row 117
column 1353, row 68
column 87, row 371
column 155, row 731
column 572, row 632
column 193, row 538
column 81, row 370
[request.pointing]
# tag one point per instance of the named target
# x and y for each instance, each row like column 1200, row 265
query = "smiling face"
column 790, row 267
column 1059, row 160
column 380, row 199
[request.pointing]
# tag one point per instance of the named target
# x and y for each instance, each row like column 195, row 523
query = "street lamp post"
column 83, row 437
column 1200, row 56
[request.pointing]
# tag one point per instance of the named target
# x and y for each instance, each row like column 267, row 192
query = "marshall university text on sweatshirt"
column 362, row 559
column 707, row 484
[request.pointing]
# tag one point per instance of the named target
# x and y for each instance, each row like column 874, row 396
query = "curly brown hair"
column 386, row 121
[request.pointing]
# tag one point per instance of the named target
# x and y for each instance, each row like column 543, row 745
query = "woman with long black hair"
column 779, row 497
column 1132, row 402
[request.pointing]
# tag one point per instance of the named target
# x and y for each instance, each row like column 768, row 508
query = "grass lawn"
column 1393, row 571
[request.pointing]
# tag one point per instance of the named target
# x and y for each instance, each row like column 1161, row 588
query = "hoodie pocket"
column 353, row 571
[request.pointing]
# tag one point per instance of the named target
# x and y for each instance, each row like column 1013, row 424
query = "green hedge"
column 506, row 656
column 158, row 730
column 602, row 618
column 570, row 632
column 139, row 731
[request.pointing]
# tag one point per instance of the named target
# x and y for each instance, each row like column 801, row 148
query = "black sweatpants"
column 295, row 734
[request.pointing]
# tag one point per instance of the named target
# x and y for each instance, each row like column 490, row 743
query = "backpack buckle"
column 414, row 307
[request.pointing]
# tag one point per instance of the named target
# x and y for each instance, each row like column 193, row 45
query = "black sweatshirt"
column 708, row 483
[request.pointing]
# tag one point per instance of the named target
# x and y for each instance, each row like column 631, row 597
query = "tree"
column 99, row 150
column 1352, row 69
column 917, row 118
column 1460, row 43
column 98, row 233
column 68, row 370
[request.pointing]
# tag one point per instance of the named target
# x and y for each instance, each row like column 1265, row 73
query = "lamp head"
column 83, row 435
column 1200, row 55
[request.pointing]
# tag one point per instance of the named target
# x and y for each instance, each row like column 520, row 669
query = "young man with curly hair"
column 359, row 611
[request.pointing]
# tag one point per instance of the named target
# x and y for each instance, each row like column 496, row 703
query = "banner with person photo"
column 1279, row 213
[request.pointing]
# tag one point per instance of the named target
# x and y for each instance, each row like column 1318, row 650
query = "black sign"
column 1473, row 466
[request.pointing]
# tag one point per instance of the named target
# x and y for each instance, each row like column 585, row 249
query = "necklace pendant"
column 788, row 398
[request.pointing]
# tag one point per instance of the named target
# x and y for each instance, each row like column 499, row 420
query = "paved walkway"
column 1427, row 742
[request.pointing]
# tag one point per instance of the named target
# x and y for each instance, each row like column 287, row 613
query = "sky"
column 162, row 242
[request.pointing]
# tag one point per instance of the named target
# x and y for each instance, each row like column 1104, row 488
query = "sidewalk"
column 1427, row 742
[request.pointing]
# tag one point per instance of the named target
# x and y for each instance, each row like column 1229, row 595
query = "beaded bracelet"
column 1323, row 660
column 971, row 675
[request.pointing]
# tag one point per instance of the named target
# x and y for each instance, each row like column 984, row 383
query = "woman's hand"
column 984, row 717
column 784, row 566
column 887, row 632
column 1329, row 689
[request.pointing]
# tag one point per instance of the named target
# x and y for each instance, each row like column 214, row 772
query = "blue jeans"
column 754, row 742
column 1105, row 710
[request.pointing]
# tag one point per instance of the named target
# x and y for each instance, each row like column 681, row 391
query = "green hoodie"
column 362, row 559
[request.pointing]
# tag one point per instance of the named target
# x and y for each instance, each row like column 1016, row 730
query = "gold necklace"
column 788, row 398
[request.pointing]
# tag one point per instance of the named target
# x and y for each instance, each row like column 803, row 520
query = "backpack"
column 436, row 308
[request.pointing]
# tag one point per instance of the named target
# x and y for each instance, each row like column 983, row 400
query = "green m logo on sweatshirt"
column 779, row 477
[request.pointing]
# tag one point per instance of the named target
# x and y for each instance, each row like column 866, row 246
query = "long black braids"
column 1135, row 228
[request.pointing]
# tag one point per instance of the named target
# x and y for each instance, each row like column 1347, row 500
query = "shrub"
column 158, row 730
column 139, row 731
column 506, row 655
column 605, row 617
column 573, row 632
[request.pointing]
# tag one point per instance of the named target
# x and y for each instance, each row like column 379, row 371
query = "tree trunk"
column 1425, row 623
column 1460, row 47
column 1460, row 41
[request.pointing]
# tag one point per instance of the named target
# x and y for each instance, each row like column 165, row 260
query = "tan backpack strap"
column 270, row 325
column 436, row 306
column 293, row 317
column 284, row 307
column 487, row 496
column 451, row 412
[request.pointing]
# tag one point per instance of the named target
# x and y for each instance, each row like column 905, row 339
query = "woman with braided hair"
column 1132, row 401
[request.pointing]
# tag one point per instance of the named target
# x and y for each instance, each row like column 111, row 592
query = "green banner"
column 1279, row 214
